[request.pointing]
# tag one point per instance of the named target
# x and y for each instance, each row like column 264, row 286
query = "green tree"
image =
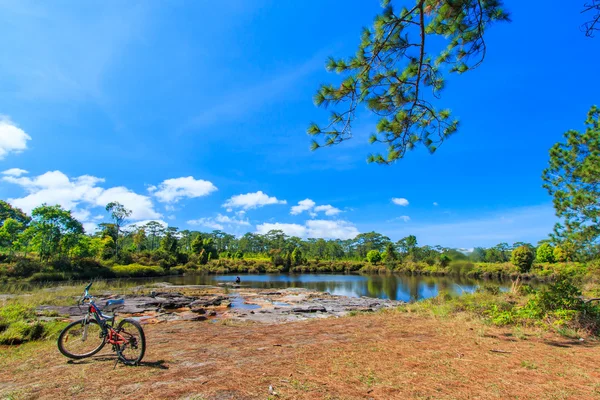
column 8, row 211
column 522, row 257
column 50, row 224
column 297, row 257
column 9, row 234
column 119, row 215
column 169, row 241
column 139, row 238
column 397, row 63
column 545, row 253
column 154, row 230
column 390, row 251
column 407, row 245
column 573, row 179
column 478, row 254
column 374, row 256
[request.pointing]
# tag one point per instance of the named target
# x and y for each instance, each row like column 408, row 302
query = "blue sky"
column 195, row 113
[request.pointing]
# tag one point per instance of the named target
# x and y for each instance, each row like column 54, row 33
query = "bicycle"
column 86, row 337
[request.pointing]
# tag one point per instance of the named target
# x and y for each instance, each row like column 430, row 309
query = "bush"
column 137, row 270
column 522, row 258
column 545, row 253
column 374, row 256
column 461, row 267
column 18, row 324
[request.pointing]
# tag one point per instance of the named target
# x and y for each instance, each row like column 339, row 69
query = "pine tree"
column 394, row 67
column 573, row 179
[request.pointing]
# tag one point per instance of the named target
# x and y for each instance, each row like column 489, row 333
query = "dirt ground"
column 388, row 355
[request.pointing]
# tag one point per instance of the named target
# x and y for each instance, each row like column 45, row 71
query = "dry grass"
column 390, row 355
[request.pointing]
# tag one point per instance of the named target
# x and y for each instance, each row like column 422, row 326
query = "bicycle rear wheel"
column 131, row 352
column 81, row 339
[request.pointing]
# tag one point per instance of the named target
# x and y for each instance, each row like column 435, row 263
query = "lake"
column 394, row 287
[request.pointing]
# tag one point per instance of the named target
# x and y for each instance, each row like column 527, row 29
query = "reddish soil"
column 388, row 355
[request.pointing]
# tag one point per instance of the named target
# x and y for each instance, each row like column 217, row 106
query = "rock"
column 311, row 309
column 198, row 310
column 206, row 301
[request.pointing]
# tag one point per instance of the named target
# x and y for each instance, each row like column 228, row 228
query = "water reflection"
column 395, row 287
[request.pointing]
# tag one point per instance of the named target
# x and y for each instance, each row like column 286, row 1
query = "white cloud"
column 89, row 227
column 54, row 187
column 288, row 229
column 313, row 229
column 219, row 222
column 435, row 203
column 228, row 220
column 251, row 200
column 309, row 206
column 400, row 201
column 328, row 209
column 81, row 215
column 173, row 190
column 404, row 218
column 207, row 222
column 12, row 138
column 527, row 224
column 331, row 229
column 141, row 206
column 303, row 205
column 14, row 172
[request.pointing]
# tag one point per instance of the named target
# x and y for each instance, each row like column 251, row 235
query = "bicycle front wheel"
column 81, row 339
column 132, row 351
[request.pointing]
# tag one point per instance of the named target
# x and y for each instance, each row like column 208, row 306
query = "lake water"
column 395, row 287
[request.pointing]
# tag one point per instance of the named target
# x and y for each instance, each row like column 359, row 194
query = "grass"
column 556, row 308
column 19, row 324
column 137, row 270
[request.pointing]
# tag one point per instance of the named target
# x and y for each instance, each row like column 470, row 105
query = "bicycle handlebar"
column 86, row 294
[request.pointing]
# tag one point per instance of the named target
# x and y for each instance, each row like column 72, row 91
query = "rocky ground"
column 198, row 302
column 383, row 355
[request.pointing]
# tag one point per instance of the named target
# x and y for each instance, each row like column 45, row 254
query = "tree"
column 297, row 257
column 394, row 66
column 573, row 179
column 139, row 238
column 8, row 211
column 592, row 7
column 522, row 257
column 545, row 253
column 50, row 224
column 9, row 234
column 169, row 241
column 119, row 215
column 373, row 256
column 478, row 254
column 390, row 252
column 407, row 245
column 154, row 230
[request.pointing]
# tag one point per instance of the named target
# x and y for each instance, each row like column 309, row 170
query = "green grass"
column 137, row 270
column 19, row 324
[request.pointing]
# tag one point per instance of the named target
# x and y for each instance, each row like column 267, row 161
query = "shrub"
column 137, row 270
column 461, row 267
column 374, row 256
column 560, row 254
column 522, row 258
column 545, row 253
column 18, row 324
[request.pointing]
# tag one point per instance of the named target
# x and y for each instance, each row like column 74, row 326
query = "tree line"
column 52, row 233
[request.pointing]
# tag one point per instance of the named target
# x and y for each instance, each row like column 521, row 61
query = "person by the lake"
column 238, row 280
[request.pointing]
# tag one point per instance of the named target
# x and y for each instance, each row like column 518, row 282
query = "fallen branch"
column 500, row 351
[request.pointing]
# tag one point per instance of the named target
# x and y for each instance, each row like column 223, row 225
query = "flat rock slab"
column 169, row 303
